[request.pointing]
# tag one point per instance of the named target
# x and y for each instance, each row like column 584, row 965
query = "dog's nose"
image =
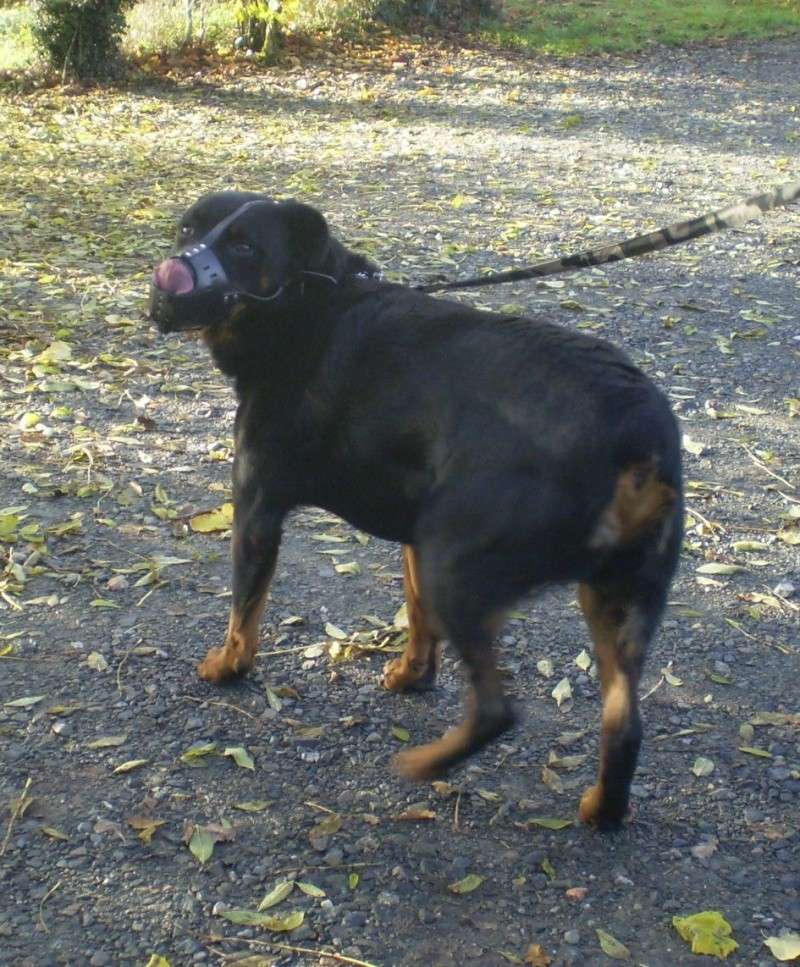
column 173, row 276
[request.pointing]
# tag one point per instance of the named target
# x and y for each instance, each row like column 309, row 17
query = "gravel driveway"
column 432, row 162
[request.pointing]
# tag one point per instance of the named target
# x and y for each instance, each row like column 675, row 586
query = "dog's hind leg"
column 466, row 606
column 622, row 620
column 417, row 667
column 489, row 714
column 254, row 546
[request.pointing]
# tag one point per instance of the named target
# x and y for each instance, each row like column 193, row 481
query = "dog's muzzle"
column 191, row 290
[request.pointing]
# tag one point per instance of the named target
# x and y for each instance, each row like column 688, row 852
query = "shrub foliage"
column 81, row 38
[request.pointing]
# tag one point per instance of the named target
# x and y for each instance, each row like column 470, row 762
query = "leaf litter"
column 63, row 447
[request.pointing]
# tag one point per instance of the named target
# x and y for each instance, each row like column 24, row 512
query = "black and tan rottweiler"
column 502, row 452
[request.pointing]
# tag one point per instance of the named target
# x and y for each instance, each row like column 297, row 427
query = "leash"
column 717, row 221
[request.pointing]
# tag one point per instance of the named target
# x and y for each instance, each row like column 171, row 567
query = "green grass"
column 563, row 27
column 16, row 42
column 567, row 27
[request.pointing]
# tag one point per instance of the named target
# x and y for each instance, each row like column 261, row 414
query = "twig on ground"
column 455, row 811
column 655, row 688
column 765, row 468
column 125, row 657
column 301, row 866
column 282, row 651
column 321, row 954
column 709, row 523
column 209, row 701
column 16, row 812
column 45, row 898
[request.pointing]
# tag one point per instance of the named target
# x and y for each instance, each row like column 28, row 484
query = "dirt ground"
column 431, row 162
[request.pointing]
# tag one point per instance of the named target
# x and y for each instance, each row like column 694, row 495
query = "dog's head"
column 238, row 251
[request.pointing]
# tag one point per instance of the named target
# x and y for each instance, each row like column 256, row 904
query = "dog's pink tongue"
column 174, row 276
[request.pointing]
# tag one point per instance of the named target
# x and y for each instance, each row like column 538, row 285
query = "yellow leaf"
column 220, row 519
column 708, row 933
column 277, row 894
column 310, row 890
column 129, row 766
column 562, row 692
column 786, row 947
column 108, row 742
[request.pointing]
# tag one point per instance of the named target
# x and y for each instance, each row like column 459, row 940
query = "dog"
column 503, row 452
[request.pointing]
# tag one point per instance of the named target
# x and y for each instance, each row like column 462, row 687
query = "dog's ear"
column 308, row 233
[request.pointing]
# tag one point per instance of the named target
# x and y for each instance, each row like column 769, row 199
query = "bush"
column 81, row 38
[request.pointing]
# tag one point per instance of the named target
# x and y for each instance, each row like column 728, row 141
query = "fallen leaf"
column 702, row 766
column 545, row 667
column 562, row 692
column 129, row 766
column 220, row 519
column 413, row 815
column 715, row 567
column 146, row 826
column 535, row 956
column 54, row 833
column 469, row 883
column 195, row 753
column 156, row 960
column 552, row 780
column 240, row 756
column 611, row 946
column 252, row 918
column 334, row 632
column 576, row 893
column 201, row 844
column 253, row 805
column 694, row 447
column 96, row 662
column 401, row 734
column 310, row 890
column 568, row 762
column 26, row 702
column 327, row 827
column 277, row 894
column 584, row 660
column 107, row 742
column 548, row 823
column 785, row 947
column 273, row 699
column 751, row 750
column 708, row 933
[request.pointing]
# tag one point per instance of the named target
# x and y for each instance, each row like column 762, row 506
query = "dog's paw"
column 400, row 675
column 595, row 811
column 217, row 667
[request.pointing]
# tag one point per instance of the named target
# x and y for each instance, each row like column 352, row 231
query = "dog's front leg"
column 417, row 667
column 254, row 546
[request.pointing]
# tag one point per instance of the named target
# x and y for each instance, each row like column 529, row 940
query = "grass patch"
column 156, row 26
column 571, row 27
column 16, row 39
